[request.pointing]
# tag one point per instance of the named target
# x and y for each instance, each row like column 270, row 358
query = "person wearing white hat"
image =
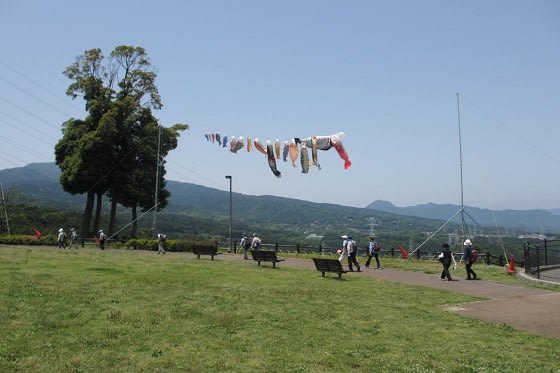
column 245, row 244
column 352, row 250
column 467, row 258
column 102, row 239
column 73, row 238
column 256, row 242
column 61, row 239
column 344, row 251
column 162, row 238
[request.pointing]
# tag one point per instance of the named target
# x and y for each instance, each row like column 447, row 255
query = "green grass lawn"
column 83, row 311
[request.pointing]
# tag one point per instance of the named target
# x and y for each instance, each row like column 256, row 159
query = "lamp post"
column 230, row 216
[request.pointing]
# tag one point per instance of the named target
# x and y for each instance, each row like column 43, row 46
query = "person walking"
column 246, row 245
column 344, row 251
column 352, row 249
column 256, row 242
column 468, row 260
column 162, row 238
column 445, row 258
column 373, row 252
column 61, row 239
column 73, row 238
column 102, row 239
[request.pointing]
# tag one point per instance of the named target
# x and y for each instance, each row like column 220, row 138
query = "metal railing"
column 542, row 259
column 486, row 258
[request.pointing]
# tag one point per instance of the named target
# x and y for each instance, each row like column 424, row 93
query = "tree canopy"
column 114, row 150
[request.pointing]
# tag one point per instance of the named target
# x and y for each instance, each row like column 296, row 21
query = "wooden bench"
column 205, row 250
column 329, row 265
column 265, row 256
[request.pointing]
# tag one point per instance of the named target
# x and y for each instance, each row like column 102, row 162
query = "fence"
column 542, row 259
column 487, row 258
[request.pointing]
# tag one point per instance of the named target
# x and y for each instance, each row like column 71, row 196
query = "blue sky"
column 384, row 73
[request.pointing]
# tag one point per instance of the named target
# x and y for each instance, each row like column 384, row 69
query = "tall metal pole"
column 156, row 202
column 230, row 215
column 5, row 209
column 461, row 169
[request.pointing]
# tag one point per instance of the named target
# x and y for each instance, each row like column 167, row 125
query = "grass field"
column 89, row 310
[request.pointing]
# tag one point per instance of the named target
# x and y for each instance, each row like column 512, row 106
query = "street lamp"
column 230, row 216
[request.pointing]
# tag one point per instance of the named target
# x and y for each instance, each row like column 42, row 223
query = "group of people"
column 469, row 257
column 62, row 239
column 350, row 250
column 247, row 243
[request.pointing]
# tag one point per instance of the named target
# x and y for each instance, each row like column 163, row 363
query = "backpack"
column 246, row 244
column 351, row 246
column 474, row 255
column 256, row 244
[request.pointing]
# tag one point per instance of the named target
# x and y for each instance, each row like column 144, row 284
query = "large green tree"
column 108, row 149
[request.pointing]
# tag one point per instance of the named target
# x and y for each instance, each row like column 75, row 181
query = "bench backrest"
column 331, row 265
column 264, row 255
column 205, row 250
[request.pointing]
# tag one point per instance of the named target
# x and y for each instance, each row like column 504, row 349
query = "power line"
column 52, row 107
column 37, row 84
column 29, row 112
column 534, row 146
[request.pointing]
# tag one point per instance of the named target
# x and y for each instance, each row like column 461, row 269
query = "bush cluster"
column 22, row 239
column 136, row 244
column 170, row 245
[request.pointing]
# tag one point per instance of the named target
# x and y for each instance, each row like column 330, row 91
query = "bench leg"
column 323, row 273
column 340, row 276
column 198, row 256
column 273, row 264
column 212, row 256
column 259, row 263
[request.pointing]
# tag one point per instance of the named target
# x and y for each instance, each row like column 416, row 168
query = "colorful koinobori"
column 294, row 149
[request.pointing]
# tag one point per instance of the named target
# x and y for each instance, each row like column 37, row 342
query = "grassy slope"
column 122, row 311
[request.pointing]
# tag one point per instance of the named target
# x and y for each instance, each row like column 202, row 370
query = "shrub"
column 21, row 239
column 171, row 245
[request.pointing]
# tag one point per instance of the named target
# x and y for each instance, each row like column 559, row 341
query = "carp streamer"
column 291, row 149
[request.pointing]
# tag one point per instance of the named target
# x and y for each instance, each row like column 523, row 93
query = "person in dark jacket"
column 373, row 252
column 467, row 259
column 445, row 258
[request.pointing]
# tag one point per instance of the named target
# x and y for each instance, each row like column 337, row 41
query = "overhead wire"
column 525, row 141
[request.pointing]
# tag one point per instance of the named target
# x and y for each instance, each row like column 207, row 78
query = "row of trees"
column 114, row 150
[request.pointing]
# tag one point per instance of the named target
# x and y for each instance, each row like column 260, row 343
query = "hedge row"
column 22, row 239
column 137, row 244
column 170, row 245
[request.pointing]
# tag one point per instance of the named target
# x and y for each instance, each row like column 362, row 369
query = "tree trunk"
column 112, row 217
column 134, row 222
column 98, row 211
column 86, row 219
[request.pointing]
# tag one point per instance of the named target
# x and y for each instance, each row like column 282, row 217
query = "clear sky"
column 385, row 73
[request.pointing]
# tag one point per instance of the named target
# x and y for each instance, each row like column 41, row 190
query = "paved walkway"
column 530, row 309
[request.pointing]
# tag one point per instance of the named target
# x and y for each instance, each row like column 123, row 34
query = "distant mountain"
column 554, row 211
column 525, row 219
column 191, row 204
column 199, row 209
column 40, row 182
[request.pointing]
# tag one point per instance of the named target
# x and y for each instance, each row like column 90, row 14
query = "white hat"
column 467, row 242
column 101, row 230
column 61, row 230
column 345, row 236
